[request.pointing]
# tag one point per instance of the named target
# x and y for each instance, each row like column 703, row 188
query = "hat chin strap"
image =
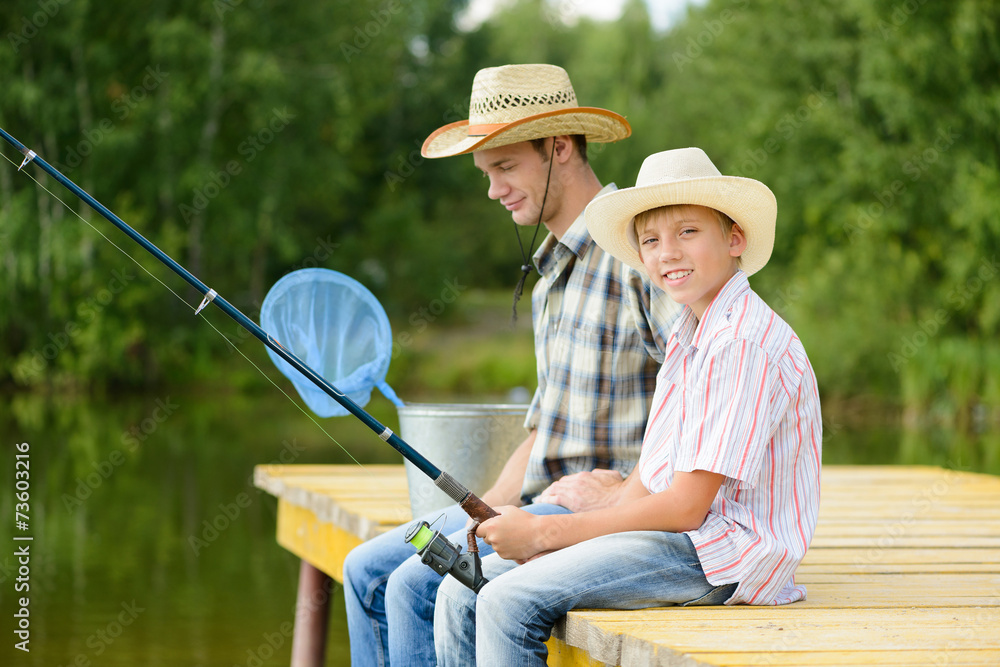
column 526, row 265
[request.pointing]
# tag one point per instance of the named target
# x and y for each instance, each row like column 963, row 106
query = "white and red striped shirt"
column 736, row 395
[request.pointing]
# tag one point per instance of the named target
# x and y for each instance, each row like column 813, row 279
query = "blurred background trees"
column 249, row 138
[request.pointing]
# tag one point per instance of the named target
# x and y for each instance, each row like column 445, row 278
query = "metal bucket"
column 470, row 442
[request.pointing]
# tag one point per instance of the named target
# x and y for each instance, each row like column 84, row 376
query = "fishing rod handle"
column 477, row 509
column 470, row 502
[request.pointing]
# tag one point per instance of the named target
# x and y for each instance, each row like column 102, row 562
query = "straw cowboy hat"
column 517, row 103
column 684, row 176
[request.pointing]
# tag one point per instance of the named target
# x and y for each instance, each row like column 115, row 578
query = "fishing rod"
column 432, row 547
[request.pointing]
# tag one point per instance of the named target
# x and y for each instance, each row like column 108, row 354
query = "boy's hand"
column 514, row 535
column 494, row 500
column 584, row 491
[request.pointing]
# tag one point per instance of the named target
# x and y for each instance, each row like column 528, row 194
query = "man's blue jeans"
column 390, row 594
column 512, row 617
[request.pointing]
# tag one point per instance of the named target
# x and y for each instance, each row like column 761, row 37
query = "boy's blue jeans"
column 390, row 594
column 512, row 617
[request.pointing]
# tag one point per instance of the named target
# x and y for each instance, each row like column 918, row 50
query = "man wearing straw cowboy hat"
column 597, row 344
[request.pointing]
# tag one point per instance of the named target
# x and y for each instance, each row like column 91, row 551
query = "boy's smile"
column 687, row 254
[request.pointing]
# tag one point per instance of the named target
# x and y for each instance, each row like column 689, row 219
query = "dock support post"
column 312, row 615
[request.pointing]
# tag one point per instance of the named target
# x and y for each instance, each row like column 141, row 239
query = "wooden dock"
column 904, row 569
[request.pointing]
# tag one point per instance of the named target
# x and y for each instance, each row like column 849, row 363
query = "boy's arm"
column 517, row 535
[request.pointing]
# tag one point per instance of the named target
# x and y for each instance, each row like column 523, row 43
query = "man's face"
column 517, row 176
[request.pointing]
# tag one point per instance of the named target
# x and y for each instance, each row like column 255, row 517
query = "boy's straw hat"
column 685, row 176
column 516, row 103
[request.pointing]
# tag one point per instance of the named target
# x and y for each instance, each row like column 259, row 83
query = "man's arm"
column 507, row 489
column 517, row 535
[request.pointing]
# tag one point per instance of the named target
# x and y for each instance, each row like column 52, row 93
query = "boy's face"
column 517, row 176
column 687, row 254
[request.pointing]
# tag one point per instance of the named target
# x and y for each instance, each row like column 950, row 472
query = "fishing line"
column 196, row 311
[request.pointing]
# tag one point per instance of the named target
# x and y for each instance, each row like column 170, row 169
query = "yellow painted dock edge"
column 321, row 544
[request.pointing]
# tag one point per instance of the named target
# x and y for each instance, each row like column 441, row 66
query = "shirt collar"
column 689, row 331
column 555, row 253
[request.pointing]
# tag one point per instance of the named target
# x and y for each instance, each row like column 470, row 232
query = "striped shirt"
column 599, row 338
column 737, row 396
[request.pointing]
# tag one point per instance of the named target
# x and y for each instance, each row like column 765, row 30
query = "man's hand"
column 584, row 491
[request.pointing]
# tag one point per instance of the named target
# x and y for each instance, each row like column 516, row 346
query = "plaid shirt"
column 598, row 346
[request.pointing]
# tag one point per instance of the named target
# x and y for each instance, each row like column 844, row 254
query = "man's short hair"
column 579, row 141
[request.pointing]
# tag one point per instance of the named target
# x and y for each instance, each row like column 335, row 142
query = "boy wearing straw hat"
column 598, row 337
column 725, row 497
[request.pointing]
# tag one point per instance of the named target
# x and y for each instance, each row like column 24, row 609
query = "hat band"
column 483, row 130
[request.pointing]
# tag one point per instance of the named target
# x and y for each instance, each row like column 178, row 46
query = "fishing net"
column 336, row 327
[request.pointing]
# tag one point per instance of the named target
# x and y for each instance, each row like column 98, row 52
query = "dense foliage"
column 248, row 138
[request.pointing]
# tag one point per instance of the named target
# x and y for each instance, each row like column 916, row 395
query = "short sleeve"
column 531, row 418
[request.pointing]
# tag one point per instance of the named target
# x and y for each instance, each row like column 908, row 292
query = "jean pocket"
column 716, row 596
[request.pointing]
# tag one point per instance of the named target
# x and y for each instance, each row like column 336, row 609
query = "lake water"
column 151, row 545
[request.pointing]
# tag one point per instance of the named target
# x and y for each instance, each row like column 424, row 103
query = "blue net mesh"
column 338, row 328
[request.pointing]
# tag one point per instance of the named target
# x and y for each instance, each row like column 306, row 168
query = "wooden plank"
column 780, row 614
column 332, row 470
column 838, row 596
column 835, row 630
column 908, row 528
column 855, row 475
column 939, row 516
column 931, row 556
column 679, row 635
column 900, row 560
column 901, row 635
column 901, row 568
column 875, row 545
column 864, row 657
column 928, row 582
column 362, row 518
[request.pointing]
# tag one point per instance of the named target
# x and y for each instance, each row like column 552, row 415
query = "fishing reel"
column 437, row 552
